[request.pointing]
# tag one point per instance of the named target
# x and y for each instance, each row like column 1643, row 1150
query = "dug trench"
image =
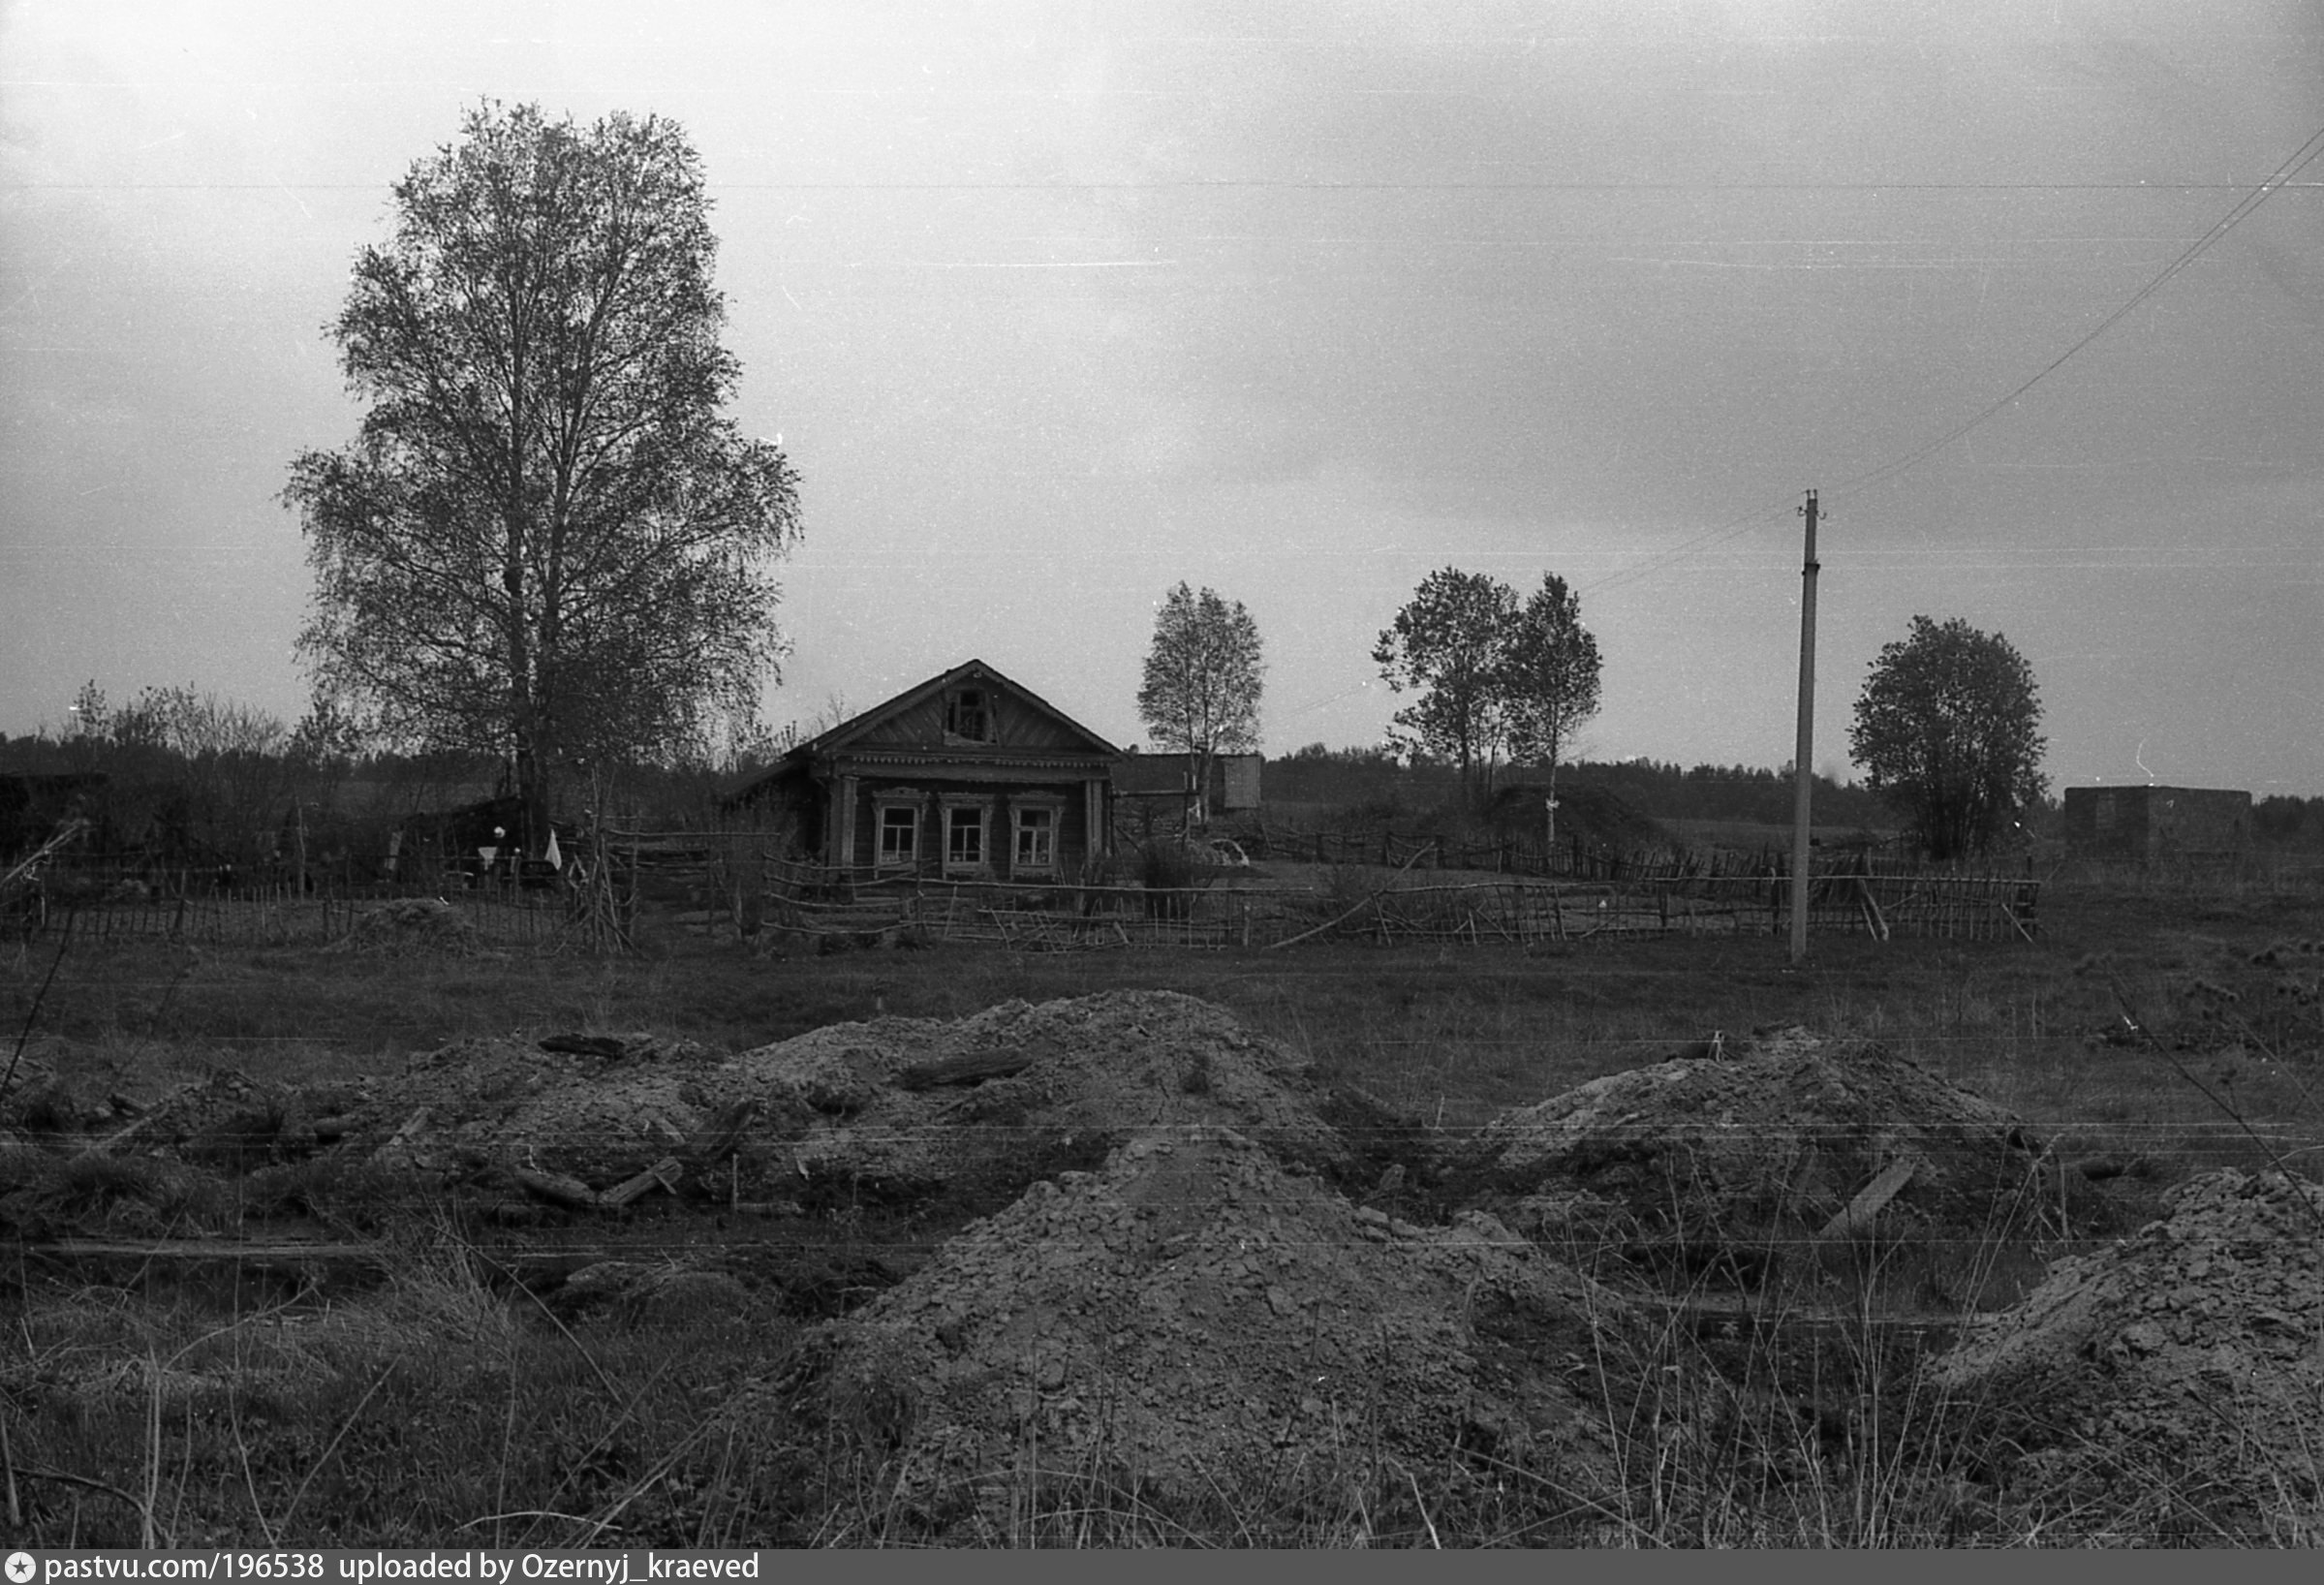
column 1122, row 1235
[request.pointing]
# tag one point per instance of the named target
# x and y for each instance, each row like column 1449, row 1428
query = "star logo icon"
column 21, row 1568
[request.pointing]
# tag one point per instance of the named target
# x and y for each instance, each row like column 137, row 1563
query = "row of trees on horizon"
column 226, row 775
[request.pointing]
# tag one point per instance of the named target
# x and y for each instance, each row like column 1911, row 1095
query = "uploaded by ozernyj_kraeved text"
column 482, row 1567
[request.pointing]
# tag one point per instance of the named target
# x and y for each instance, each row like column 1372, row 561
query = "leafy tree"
column 1551, row 677
column 1450, row 644
column 1203, row 677
column 1945, row 731
column 89, row 724
column 91, row 716
column 546, row 540
column 197, row 777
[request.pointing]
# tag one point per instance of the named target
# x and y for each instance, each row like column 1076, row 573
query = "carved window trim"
column 908, row 804
column 956, row 805
column 1030, row 812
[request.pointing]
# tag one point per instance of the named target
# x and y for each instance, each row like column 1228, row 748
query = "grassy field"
column 2178, row 1025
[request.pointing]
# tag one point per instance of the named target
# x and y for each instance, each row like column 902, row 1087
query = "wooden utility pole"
column 1803, row 758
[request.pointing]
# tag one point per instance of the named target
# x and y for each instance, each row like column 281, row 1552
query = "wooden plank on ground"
column 973, row 1068
column 279, row 1253
column 1871, row 1199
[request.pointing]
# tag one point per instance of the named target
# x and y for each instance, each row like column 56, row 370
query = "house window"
column 899, row 833
column 964, row 836
column 969, row 716
column 1036, row 840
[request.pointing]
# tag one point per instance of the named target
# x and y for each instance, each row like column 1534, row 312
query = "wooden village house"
column 967, row 776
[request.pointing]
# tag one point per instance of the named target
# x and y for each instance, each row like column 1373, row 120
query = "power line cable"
column 2295, row 162
column 2298, row 160
column 1730, row 529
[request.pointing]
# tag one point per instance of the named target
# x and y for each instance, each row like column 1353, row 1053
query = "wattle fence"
column 736, row 886
column 1513, row 912
column 283, row 917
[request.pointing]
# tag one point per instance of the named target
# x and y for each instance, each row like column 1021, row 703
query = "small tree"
column 1203, row 677
column 547, row 541
column 88, row 727
column 1945, row 731
column 1551, row 680
column 1449, row 644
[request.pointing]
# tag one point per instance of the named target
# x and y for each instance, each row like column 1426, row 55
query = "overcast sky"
column 1053, row 306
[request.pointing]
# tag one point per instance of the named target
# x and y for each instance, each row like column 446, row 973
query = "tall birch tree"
column 547, row 541
column 1200, row 693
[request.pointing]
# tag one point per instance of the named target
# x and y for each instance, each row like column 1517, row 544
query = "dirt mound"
column 1194, row 1320
column 972, row 1109
column 1782, row 1137
column 903, row 1107
column 65, row 1087
column 605, row 1112
column 2184, row 1366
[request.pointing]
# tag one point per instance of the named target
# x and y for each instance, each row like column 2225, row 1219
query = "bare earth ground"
column 1665, row 1241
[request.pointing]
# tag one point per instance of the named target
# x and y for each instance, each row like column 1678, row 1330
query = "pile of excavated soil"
column 594, row 1116
column 1784, row 1135
column 873, row 1104
column 2181, row 1369
column 124, row 1164
column 893, row 1109
column 1195, row 1323
column 66, row 1087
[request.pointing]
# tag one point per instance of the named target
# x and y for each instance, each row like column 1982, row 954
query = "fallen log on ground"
column 281, row 1254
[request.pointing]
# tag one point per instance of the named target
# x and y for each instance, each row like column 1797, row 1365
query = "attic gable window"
column 969, row 715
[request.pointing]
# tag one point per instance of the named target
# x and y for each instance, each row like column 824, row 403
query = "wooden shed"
column 2145, row 822
column 970, row 775
column 1232, row 785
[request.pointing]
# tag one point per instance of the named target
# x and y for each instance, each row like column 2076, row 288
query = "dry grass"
column 443, row 1403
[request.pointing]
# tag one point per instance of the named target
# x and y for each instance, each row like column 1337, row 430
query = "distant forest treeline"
column 221, row 789
column 1375, row 777
column 2291, row 824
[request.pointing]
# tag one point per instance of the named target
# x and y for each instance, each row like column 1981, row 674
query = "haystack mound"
column 911, row 1106
column 1193, row 1320
column 1784, row 1135
column 410, row 924
column 2184, row 1366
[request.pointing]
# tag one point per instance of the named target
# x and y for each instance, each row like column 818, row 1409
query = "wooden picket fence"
column 824, row 912
column 285, row 917
column 731, row 888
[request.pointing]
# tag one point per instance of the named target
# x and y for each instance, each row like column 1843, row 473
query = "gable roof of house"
column 839, row 738
column 973, row 671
